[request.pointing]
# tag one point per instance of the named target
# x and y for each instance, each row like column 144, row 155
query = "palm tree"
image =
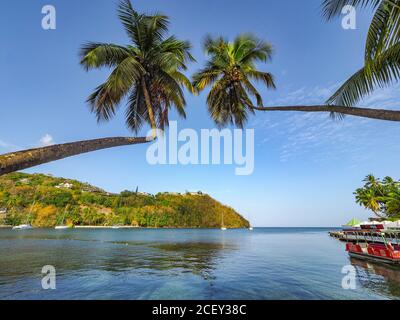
column 382, row 49
column 148, row 72
column 368, row 198
column 229, row 71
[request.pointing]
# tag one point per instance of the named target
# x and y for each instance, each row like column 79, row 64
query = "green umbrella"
column 353, row 222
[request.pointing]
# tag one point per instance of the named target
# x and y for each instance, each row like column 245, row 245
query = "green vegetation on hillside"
column 46, row 201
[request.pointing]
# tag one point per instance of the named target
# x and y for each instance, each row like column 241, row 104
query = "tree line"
column 44, row 201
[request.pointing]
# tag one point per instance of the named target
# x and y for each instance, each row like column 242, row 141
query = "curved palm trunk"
column 29, row 158
column 149, row 108
column 380, row 114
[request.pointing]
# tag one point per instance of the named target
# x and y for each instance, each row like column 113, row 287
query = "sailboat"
column 26, row 226
column 23, row 227
column 222, row 223
column 250, row 227
column 62, row 226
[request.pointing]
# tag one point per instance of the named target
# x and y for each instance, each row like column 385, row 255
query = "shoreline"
column 125, row 227
column 105, row 227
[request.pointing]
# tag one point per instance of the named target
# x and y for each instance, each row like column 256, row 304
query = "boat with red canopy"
column 375, row 244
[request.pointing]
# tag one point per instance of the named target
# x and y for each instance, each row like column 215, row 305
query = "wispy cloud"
column 6, row 146
column 46, row 140
column 318, row 137
column 305, row 95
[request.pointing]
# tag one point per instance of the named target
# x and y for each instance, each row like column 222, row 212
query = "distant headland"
column 46, row 201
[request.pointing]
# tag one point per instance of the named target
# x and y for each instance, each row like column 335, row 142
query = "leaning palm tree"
column 229, row 71
column 148, row 72
column 382, row 49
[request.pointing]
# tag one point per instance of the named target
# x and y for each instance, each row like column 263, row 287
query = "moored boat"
column 62, row 227
column 23, row 227
column 223, row 228
column 386, row 250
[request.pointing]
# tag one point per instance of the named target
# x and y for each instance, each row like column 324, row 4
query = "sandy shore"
column 105, row 227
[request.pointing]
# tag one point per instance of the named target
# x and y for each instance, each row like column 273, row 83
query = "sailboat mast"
column 30, row 211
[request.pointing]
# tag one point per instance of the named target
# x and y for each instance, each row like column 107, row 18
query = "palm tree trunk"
column 20, row 160
column 149, row 108
column 380, row 114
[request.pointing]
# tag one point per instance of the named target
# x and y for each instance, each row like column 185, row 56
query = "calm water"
column 267, row 263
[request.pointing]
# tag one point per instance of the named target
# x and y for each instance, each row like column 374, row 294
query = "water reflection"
column 380, row 278
column 72, row 255
column 199, row 258
column 185, row 264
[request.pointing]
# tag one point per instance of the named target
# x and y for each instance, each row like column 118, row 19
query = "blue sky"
column 306, row 165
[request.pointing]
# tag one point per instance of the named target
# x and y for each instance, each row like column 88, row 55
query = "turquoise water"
column 267, row 263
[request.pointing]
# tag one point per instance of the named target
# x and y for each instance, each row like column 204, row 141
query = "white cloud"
column 46, row 140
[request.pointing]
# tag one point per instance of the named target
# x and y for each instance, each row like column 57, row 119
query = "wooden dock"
column 338, row 235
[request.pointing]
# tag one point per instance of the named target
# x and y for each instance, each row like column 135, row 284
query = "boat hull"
column 365, row 256
column 23, row 227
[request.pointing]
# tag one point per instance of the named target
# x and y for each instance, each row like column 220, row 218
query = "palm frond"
column 172, row 54
column 384, row 30
column 253, row 91
column 102, row 104
column 132, row 22
column 249, row 48
column 136, row 112
column 382, row 71
column 333, row 8
column 157, row 27
column 266, row 77
column 184, row 81
column 206, row 77
column 96, row 55
column 107, row 96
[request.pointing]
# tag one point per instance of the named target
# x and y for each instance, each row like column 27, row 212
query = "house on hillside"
column 145, row 194
column 198, row 193
column 65, row 185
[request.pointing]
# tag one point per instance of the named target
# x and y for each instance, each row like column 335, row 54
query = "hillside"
column 45, row 201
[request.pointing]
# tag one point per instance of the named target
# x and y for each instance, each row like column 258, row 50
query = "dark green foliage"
column 231, row 72
column 380, row 196
column 382, row 50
